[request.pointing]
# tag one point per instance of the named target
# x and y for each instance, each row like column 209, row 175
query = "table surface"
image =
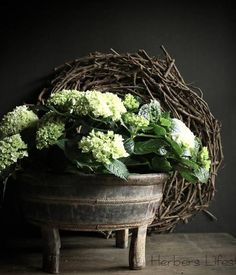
column 166, row 254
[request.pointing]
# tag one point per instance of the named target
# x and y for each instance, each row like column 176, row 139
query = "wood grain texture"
column 137, row 257
column 122, row 238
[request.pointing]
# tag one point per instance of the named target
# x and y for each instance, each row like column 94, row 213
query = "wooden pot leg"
column 51, row 249
column 137, row 248
column 122, row 238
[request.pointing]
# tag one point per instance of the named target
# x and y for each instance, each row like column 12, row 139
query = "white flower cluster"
column 51, row 129
column 95, row 103
column 103, row 146
column 115, row 106
column 11, row 149
column 17, row 120
column 65, row 100
column 181, row 134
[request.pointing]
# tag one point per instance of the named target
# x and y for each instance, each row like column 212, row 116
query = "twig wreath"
column 152, row 78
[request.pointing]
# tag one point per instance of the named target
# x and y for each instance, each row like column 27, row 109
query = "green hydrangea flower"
column 135, row 120
column 204, row 158
column 103, row 146
column 17, row 120
column 130, row 102
column 51, row 129
column 65, row 100
column 11, row 149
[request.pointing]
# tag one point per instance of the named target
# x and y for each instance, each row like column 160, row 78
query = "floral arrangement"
column 100, row 132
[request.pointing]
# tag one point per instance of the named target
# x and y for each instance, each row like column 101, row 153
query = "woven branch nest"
column 151, row 77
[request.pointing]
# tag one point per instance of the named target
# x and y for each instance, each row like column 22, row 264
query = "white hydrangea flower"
column 11, row 149
column 97, row 104
column 17, row 120
column 118, row 150
column 103, row 146
column 115, row 105
column 65, row 100
column 181, row 134
column 51, row 128
column 81, row 105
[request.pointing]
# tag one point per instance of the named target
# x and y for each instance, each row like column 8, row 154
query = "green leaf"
column 132, row 162
column 177, row 149
column 118, row 169
column 81, row 165
column 187, row 174
column 147, row 147
column 129, row 145
column 64, row 114
column 151, row 111
column 39, row 107
column 160, row 164
column 61, row 143
column 189, row 163
column 195, row 151
column 202, row 174
column 3, row 188
column 159, row 131
column 89, row 165
column 166, row 115
column 165, row 122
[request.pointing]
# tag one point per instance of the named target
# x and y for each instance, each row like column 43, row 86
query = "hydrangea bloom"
column 81, row 106
column 92, row 102
column 103, row 146
column 204, row 158
column 130, row 102
column 97, row 104
column 17, row 120
column 65, row 100
column 50, row 130
column 181, row 134
column 135, row 120
column 151, row 111
column 11, row 149
column 115, row 105
column 105, row 105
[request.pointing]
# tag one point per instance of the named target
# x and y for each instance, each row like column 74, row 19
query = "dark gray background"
column 199, row 35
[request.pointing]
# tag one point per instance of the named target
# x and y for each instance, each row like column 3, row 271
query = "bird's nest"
column 151, row 77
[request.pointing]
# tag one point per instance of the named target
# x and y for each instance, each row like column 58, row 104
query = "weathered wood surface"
column 67, row 201
column 137, row 256
column 51, row 249
column 122, row 238
column 91, row 255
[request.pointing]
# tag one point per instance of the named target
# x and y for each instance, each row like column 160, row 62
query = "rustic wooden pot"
column 88, row 202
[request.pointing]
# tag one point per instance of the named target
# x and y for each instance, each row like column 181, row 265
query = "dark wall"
column 199, row 35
